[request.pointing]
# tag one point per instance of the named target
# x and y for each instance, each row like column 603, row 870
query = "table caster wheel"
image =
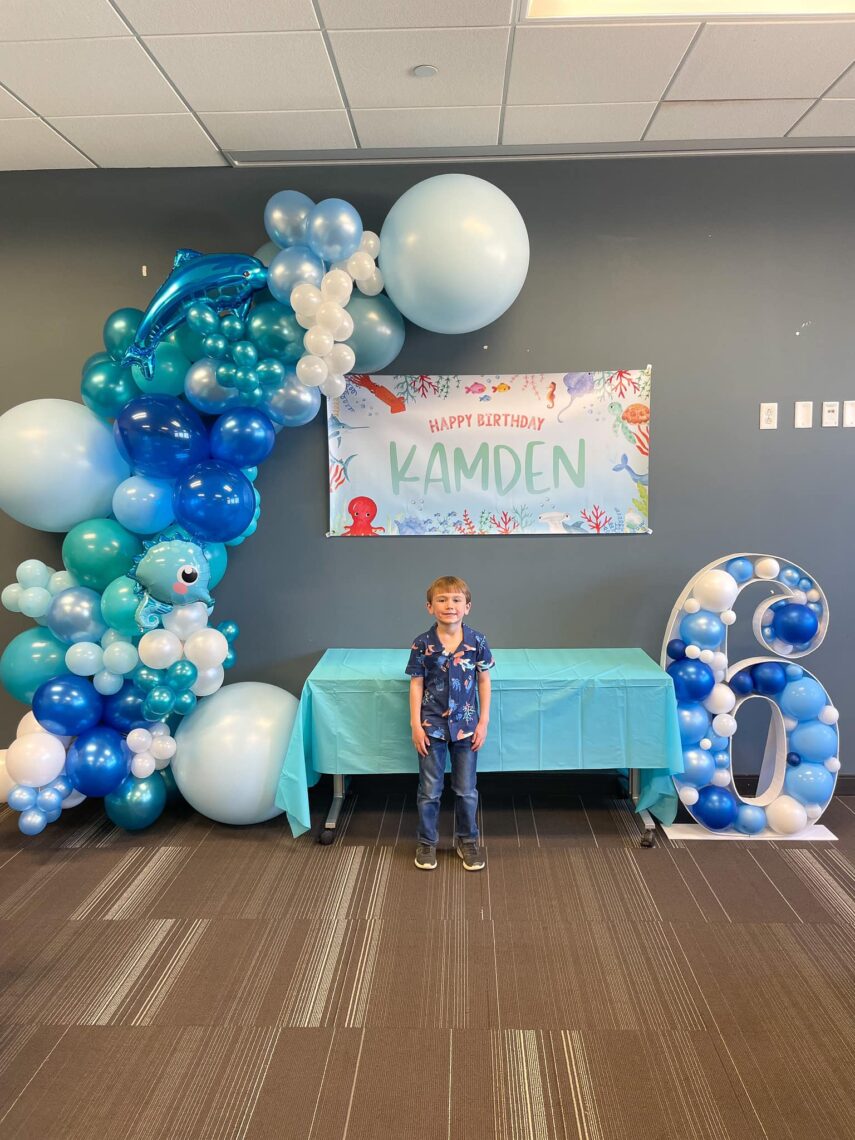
column 326, row 836
column 648, row 839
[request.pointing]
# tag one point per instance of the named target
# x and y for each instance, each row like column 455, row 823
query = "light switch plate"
column 849, row 413
column 831, row 413
column 804, row 414
column 768, row 417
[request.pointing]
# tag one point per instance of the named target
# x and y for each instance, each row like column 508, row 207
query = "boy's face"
column 449, row 606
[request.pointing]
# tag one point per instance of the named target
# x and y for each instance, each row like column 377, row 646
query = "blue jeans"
column 431, row 780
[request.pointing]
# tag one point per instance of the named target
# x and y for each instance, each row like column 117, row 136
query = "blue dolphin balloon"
column 226, row 281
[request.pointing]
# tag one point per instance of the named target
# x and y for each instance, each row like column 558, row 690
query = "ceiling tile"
column 141, row 140
column 427, row 126
column 604, row 63
column 765, row 60
column 734, row 119
column 415, row 13
column 581, row 123
column 198, row 17
column 280, row 71
column 59, row 20
column 375, row 67
column 845, row 87
column 30, row 144
column 829, row 118
column 10, row 108
column 280, row 130
column 85, row 77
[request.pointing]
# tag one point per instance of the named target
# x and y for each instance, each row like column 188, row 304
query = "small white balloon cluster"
column 32, row 776
column 151, row 749
column 35, row 588
column 322, row 313
column 187, row 636
column 107, row 664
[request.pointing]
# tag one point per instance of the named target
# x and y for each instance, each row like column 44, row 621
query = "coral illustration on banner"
column 539, row 453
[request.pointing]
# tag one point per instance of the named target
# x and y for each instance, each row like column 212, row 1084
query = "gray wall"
column 734, row 277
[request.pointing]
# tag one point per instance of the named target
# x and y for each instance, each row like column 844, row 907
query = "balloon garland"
column 153, row 480
column 801, row 762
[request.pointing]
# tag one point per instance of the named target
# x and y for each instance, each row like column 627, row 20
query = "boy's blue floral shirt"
column 450, row 701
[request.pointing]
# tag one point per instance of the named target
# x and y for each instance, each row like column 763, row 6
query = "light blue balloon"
column 698, row 767
column 814, row 741
column 750, row 819
column 378, row 332
column 285, row 217
column 61, row 580
column 454, row 253
column 75, row 615
column 34, row 601
column 789, row 576
column 694, row 723
column 144, row 505
column 803, row 699
column 120, row 657
column 293, row 404
column 205, row 392
column 11, row 597
column 703, row 628
column 741, row 569
column 809, row 783
column 58, row 465
column 107, row 683
column 334, row 230
column 292, row 267
column 84, row 659
column 721, row 759
column 33, row 572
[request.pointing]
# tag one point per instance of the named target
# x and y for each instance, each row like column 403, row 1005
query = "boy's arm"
column 480, row 734
column 420, row 738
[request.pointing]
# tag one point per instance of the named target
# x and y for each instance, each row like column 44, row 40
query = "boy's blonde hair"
column 449, row 582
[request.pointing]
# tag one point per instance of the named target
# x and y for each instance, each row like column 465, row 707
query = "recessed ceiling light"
column 424, row 70
column 639, row 9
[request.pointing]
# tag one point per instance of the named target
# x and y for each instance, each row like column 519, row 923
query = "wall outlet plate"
column 849, row 413
column 831, row 413
column 768, row 417
column 804, row 414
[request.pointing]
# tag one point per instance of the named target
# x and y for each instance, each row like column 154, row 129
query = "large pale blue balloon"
column 293, row 404
column 285, row 217
column 58, row 465
column 292, row 267
column 230, row 752
column 454, row 253
column 378, row 332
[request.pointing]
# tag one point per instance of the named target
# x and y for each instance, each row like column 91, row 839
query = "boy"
column 444, row 714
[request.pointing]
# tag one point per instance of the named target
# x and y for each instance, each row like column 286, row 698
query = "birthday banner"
column 542, row 453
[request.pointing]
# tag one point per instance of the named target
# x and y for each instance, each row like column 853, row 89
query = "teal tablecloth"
column 552, row 710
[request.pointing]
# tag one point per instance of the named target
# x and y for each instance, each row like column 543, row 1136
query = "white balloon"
column 345, row 329
column 790, row 723
column 707, row 656
column 35, row 759
column 28, row 724
column 814, row 811
column 206, row 648
column 372, row 285
column 705, row 744
column 318, row 341
column 370, row 243
column 720, row 777
column 767, row 568
column 719, row 661
column 305, row 299
column 184, row 620
column 142, row 765
column 73, row 799
column 303, row 321
column 728, row 617
column 721, row 699
column 6, row 781
column 799, row 597
column 159, row 648
column 340, row 359
column 360, row 266
column 329, row 315
column 813, row 595
column 786, row 816
column 691, row 605
column 724, row 724
column 163, row 748
column 337, row 286
column 832, row 764
column 159, row 729
column 139, row 740
column 716, row 591
column 334, row 386
column 689, row 795
column 311, row 371
column 208, row 681
column 829, row 715
column 693, row 652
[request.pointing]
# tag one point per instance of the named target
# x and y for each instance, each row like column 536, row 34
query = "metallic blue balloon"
column 32, row 822
column 244, row 437
column 292, row 267
column 161, row 435
column 750, row 819
column 703, row 628
column 97, row 761
column 22, row 797
column 741, row 569
column 214, row 501
column 136, row 804
column 334, row 230
column 378, row 332
column 75, row 615
column 67, row 705
column 293, row 404
column 204, row 391
column 224, row 280
column 716, row 808
column 123, row 710
column 144, row 505
column 285, row 217
column 698, row 767
column 693, row 680
column 694, row 721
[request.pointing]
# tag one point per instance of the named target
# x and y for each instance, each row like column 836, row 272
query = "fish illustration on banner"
column 538, row 453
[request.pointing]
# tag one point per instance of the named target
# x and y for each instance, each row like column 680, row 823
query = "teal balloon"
column 274, row 330
column 190, row 341
column 119, row 606
column 106, row 388
column 95, row 358
column 378, row 332
column 170, row 368
column 29, row 660
column 173, row 795
column 218, row 560
column 119, row 331
column 181, row 675
column 136, row 804
column 98, row 551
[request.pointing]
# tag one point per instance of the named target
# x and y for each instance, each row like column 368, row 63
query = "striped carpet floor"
column 195, row 980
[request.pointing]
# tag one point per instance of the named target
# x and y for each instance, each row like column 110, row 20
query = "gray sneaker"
column 426, row 857
column 471, row 854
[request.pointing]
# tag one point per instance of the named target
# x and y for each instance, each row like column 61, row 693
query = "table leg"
column 648, row 839
column 327, row 832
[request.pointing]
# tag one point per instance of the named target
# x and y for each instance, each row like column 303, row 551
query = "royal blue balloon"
column 742, row 682
column 136, row 803
column 769, row 678
column 144, row 505
column 161, row 435
column 244, row 437
column 123, row 710
column 676, row 649
column 794, row 759
column 693, row 680
column 214, row 501
column 703, row 628
column 795, row 624
column 813, row 740
column 809, row 783
column 292, row 267
column 378, row 331
column 694, row 721
column 285, row 217
column 741, row 569
column 698, row 767
column 750, row 819
column 716, row 808
column 75, row 615
column 334, row 230
column 97, row 761
column 67, row 705
column 803, row 699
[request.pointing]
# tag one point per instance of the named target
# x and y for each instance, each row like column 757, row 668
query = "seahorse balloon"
column 170, row 572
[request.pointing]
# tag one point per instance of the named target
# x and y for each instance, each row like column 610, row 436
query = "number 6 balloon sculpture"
column 800, row 763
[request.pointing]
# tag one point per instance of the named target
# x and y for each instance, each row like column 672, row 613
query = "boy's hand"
column 421, row 740
column 480, row 734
